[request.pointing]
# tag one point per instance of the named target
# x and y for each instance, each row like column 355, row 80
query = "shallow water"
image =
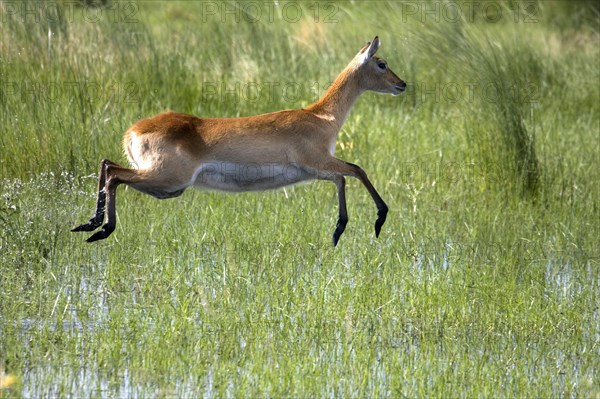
column 562, row 282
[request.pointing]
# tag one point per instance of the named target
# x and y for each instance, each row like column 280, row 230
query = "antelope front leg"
column 337, row 167
column 96, row 220
column 340, row 182
column 382, row 208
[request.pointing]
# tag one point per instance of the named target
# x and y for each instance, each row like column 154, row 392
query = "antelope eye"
column 381, row 65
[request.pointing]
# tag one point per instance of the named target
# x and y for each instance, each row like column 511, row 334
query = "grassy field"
column 485, row 281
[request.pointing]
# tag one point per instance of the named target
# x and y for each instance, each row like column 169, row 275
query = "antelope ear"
column 374, row 46
column 368, row 50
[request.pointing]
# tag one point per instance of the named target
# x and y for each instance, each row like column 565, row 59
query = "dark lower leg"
column 115, row 175
column 109, row 226
column 343, row 212
column 98, row 217
column 382, row 208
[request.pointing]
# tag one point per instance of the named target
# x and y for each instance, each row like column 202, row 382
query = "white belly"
column 228, row 176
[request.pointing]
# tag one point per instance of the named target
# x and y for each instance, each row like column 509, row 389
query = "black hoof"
column 89, row 226
column 381, row 216
column 102, row 234
column 336, row 237
column 341, row 226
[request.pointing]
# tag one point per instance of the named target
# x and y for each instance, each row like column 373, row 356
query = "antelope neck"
column 338, row 99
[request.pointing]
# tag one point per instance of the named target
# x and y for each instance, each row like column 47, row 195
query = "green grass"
column 485, row 280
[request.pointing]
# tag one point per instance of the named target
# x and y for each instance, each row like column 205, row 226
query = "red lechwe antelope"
column 170, row 151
